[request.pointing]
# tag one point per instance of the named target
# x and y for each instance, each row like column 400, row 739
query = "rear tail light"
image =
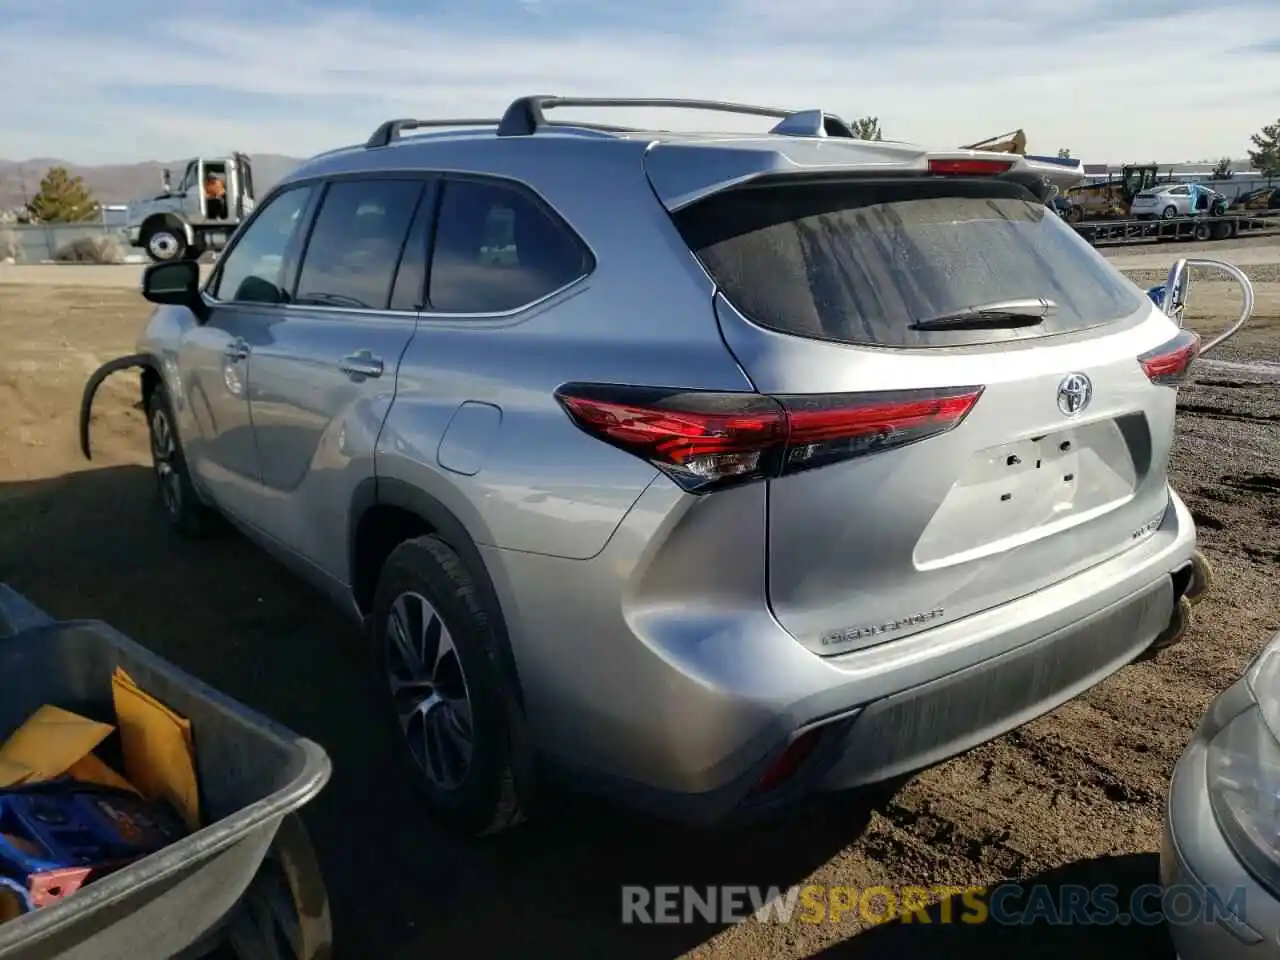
column 705, row 440
column 962, row 167
column 1169, row 364
column 789, row 762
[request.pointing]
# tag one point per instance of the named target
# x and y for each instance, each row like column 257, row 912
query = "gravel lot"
column 1074, row 797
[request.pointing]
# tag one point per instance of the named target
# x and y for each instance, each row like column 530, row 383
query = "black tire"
column 284, row 914
column 489, row 796
column 164, row 243
column 1202, row 232
column 182, row 506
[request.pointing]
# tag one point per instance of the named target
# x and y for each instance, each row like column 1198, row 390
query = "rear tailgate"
column 1059, row 463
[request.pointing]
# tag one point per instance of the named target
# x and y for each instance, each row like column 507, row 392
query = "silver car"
column 707, row 471
column 1221, row 846
column 1163, row 202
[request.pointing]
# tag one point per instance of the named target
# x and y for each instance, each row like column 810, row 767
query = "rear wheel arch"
column 150, row 380
column 384, row 514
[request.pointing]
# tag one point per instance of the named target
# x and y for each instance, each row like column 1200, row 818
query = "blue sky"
column 1113, row 80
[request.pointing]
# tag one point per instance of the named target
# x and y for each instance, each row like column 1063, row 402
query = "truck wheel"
column 194, row 252
column 164, row 244
column 183, row 508
column 448, row 702
column 1202, row 232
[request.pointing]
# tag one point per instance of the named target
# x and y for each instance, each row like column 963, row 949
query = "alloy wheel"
column 430, row 691
column 164, row 449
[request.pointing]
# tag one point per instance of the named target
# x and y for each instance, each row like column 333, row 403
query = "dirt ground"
column 1074, row 797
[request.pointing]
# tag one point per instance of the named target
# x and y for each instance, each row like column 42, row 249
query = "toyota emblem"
column 1074, row 393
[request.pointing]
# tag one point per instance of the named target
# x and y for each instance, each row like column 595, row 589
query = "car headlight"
column 1244, row 774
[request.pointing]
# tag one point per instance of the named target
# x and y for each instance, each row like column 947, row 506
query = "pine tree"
column 1267, row 157
column 1223, row 170
column 867, row 128
column 63, row 199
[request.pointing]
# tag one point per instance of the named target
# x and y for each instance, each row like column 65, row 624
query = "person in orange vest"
column 215, row 193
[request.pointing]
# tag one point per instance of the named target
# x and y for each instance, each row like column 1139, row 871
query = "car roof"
column 683, row 166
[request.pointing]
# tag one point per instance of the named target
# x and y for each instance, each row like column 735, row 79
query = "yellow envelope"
column 10, row 906
column 12, row 774
column 49, row 742
column 91, row 769
column 158, row 754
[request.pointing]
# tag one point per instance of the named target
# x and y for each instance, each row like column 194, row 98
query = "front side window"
column 498, row 249
column 253, row 270
column 351, row 256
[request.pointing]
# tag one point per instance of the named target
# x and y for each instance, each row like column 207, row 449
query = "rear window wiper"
column 991, row 316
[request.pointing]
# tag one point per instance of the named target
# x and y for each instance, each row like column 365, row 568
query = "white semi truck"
column 187, row 221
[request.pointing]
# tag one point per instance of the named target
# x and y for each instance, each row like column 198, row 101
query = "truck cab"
column 214, row 195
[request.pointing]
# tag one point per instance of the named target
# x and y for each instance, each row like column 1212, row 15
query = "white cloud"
column 940, row 73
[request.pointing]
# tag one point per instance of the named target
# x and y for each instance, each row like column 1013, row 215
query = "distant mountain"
column 20, row 180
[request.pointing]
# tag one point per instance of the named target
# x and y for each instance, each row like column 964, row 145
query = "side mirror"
column 165, row 180
column 1171, row 296
column 176, row 284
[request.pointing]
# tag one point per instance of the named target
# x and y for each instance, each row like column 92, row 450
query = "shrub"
column 99, row 249
column 10, row 245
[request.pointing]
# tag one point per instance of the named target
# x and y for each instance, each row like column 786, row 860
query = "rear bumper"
column 698, row 702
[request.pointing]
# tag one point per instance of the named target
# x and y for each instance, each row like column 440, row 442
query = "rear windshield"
column 858, row 262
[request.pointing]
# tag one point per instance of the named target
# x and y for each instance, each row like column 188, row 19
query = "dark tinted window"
column 253, row 270
column 497, row 248
column 859, row 262
column 355, row 245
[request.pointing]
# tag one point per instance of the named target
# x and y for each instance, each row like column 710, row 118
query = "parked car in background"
column 1177, row 200
column 1222, row 823
column 1166, row 202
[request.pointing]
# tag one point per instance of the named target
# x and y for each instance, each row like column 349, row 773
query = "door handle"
column 236, row 350
column 362, row 363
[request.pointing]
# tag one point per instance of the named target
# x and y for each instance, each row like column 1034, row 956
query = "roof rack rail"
column 390, row 131
column 526, row 115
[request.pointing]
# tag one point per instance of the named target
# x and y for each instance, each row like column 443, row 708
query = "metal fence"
column 39, row 243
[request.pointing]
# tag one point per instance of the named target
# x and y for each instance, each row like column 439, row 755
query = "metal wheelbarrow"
column 245, row 885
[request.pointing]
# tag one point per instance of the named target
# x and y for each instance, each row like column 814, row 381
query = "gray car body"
column 667, row 647
column 1230, row 915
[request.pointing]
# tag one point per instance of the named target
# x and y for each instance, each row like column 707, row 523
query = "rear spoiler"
column 741, row 160
column 1063, row 172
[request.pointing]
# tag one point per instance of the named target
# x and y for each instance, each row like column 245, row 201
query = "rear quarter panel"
column 534, row 482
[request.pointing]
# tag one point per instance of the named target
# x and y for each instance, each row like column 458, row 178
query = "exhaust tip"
column 1201, row 579
column 1175, row 632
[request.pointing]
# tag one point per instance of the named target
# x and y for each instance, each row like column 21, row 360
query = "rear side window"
column 860, row 262
column 497, row 249
column 355, row 245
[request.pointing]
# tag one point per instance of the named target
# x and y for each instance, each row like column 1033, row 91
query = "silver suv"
column 706, row 470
